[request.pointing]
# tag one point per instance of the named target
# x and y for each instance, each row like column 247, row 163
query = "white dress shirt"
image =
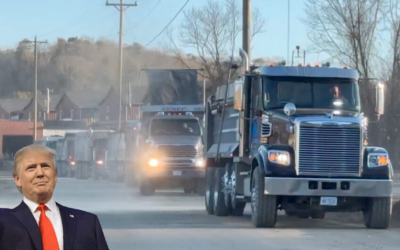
column 53, row 213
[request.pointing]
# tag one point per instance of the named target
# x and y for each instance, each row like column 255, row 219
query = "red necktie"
column 49, row 238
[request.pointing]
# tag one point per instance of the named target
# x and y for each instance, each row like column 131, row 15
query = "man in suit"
column 39, row 223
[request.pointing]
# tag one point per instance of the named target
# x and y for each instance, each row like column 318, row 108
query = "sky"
column 50, row 19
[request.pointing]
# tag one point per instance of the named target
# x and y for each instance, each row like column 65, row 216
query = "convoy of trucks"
column 292, row 138
column 278, row 137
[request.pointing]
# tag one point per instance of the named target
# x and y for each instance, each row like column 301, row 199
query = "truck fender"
column 258, row 160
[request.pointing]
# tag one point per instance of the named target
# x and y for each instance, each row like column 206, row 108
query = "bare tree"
column 346, row 30
column 389, row 124
column 211, row 31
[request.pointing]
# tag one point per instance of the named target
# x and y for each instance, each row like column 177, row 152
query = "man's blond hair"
column 33, row 148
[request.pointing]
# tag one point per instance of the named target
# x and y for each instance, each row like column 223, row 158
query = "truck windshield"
column 162, row 127
column 320, row 93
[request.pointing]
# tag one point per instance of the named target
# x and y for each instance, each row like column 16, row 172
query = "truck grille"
column 329, row 150
column 186, row 151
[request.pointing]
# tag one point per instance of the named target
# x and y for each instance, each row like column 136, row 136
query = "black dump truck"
column 170, row 147
column 293, row 138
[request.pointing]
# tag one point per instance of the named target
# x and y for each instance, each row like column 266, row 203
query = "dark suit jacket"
column 19, row 230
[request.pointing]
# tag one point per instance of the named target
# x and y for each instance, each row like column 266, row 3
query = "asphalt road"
column 173, row 221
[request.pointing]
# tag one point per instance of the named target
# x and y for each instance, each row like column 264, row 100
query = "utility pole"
column 288, row 31
column 247, row 27
column 35, row 52
column 121, row 7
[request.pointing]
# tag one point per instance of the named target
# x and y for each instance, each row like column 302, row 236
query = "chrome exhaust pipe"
column 245, row 59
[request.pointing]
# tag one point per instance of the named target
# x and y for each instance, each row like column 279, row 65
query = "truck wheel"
column 237, row 206
column 209, row 194
column 378, row 212
column 220, row 209
column 146, row 189
column 263, row 207
column 227, row 186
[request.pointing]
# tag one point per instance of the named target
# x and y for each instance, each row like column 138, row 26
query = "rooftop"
column 14, row 105
column 297, row 71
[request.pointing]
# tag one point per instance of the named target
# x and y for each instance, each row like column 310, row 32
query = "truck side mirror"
column 380, row 99
column 289, row 109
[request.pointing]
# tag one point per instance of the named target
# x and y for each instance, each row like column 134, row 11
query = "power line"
column 168, row 24
column 148, row 14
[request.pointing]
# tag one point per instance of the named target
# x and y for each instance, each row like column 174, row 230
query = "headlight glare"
column 199, row 163
column 153, row 162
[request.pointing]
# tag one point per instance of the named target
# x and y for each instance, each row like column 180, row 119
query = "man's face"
column 36, row 177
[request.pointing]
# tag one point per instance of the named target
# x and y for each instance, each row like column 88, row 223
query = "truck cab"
column 298, row 143
column 172, row 154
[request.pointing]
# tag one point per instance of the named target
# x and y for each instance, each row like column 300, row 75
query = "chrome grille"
column 329, row 150
column 266, row 128
column 186, row 151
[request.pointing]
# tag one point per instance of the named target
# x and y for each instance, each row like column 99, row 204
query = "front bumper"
column 174, row 173
column 327, row 187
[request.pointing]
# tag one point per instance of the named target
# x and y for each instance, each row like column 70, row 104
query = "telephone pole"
column 247, row 27
column 121, row 7
column 35, row 52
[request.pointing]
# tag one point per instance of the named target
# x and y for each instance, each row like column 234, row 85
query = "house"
column 13, row 108
column 42, row 108
column 109, row 106
column 133, row 103
column 80, row 105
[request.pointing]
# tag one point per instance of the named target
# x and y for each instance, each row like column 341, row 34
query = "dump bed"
column 68, row 147
column 230, row 132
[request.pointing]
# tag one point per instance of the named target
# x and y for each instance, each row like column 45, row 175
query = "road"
column 174, row 221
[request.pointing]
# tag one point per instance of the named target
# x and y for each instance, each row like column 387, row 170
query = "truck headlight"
column 153, row 162
column 99, row 162
column 72, row 163
column 377, row 160
column 199, row 163
column 279, row 157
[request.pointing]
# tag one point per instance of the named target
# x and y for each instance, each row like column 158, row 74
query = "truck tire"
column 263, row 207
column 209, row 194
column 228, row 186
column 238, row 206
column 220, row 208
column 378, row 213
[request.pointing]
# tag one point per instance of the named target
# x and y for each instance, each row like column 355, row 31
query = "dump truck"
column 294, row 138
column 66, row 155
column 116, row 155
column 170, row 143
column 90, row 161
